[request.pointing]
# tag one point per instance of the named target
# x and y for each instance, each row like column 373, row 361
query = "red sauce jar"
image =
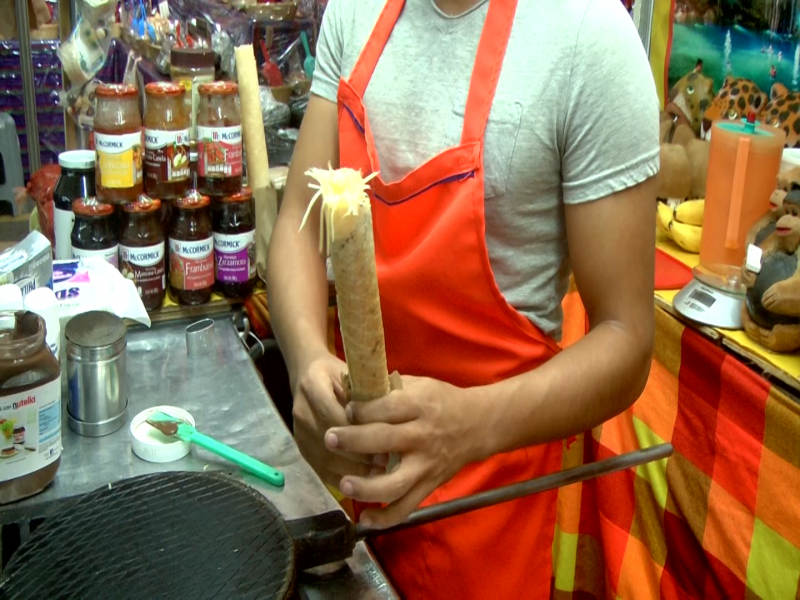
column 166, row 141
column 219, row 139
column 118, row 144
column 191, row 251
column 142, row 252
column 234, row 223
column 94, row 231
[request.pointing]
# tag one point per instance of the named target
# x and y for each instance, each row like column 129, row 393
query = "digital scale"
column 710, row 301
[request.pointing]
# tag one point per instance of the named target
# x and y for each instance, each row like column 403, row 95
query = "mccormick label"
column 166, row 156
column 191, row 264
column 219, row 151
column 145, row 267
column 235, row 257
column 63, row 220
column 110, row 255
column 35, row 415
column 119, row 159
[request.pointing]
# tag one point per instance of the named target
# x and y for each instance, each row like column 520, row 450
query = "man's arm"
column 296, row 277
column 612, row 248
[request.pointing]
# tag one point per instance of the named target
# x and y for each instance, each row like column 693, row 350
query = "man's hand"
column 319, row 405
column 429, row 423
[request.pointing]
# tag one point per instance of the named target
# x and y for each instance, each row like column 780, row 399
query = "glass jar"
column 166, row 141
column 141, row 250
column 76, row 181
column 118, row 143
column 30, row 399
column 94, row 232
column 191, row 251
column 190, row 67
column 234, row 223
column 219, row 139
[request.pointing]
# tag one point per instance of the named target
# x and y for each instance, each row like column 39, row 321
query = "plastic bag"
column 84, row 52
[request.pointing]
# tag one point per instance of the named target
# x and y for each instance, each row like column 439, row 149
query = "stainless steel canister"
column 98, row 400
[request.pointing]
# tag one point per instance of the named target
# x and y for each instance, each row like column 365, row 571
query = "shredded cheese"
column 343, row 192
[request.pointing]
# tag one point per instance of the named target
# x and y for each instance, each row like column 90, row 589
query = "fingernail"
column 347, row 488
column 331, row 439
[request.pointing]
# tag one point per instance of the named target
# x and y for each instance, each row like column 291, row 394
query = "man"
column 516, row 141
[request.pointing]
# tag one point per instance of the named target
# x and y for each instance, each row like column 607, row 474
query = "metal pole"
column 28, row 89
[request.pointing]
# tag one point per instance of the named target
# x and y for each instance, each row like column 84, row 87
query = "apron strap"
column 376, row 42
column 488, row 64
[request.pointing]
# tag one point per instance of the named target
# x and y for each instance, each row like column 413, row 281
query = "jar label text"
column 191, row 264
column 119, row 159
column 235, row 257
column 110, row 255
column 145, row 267
column 166, row 156
column 219, row 151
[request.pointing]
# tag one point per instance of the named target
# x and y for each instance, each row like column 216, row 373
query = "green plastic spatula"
column 310, row 63
column 172, row 426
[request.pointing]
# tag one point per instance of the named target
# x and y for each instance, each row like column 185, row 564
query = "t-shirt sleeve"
column 610, row 131
column 330, row 50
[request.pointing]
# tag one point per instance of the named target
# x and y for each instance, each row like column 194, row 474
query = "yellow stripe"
column 659, row 37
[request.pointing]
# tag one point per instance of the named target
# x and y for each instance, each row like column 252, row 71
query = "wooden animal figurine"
column 684, row 164
column 783, row 112
column 771, row 312
column 735, row 99
column 688, row 100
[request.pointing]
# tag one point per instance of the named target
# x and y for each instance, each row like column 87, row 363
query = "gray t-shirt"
column 575, row 118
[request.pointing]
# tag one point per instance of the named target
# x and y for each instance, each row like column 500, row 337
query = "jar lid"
column 242, row 195
column 90, row 207
column 222, row 88
column 144, row 204
column 164, row 88
column 77, row 159
column 116, row 90
column 95, row 329
column 192, row 201
column 192, row 58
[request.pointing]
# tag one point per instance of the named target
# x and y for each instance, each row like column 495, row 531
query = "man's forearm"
column 586, row 384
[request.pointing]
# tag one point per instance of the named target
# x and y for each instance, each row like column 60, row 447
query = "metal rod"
column 28, row 89
column 467, row 504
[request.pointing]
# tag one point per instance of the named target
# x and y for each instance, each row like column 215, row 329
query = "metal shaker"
column 98, row 400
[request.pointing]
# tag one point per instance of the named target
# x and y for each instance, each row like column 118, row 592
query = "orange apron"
column 444, row 317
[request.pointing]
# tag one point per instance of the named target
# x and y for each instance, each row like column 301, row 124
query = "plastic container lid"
column 192, row 58
column 77, row 159
column 151, row 445
column 44, row 303
column 10, row 297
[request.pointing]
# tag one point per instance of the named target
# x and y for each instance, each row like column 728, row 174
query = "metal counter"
column 223, row 391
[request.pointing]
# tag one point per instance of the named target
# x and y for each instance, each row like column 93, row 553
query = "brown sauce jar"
column 30, row 402
column 118, row 144
column 191, row 251
column 94, row 231
column 166, row 141
column 219, row 139
column 234, row 223
column 142, row 252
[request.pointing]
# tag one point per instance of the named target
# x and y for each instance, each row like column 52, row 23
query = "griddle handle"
column 322, row 539
column 459, row 506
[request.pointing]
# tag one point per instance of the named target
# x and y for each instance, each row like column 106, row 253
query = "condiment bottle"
column 141, row 250
column 219, row 139
column 234, row 223
column 191, row 67
column 30, row 398
column 76, row 181
column 118, row 143
column 191, row 251
column 94, row 231
column 166, row 141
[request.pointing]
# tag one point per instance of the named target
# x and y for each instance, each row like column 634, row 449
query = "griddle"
column 208, row 535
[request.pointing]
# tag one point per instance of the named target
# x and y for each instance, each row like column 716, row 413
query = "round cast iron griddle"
column 168, row 535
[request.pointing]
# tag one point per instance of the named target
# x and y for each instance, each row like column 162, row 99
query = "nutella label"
column 235, row 257
column 145, row 267
column 110, row 255
column 119, row 159
column 191, row 264
column 219, row 151
column 63, row 220
column 30, row 430
column 166, row 156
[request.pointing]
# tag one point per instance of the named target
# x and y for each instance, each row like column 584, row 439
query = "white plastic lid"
column 43, row 302
column 77, row 159
column 10, row 297
column 149, row 444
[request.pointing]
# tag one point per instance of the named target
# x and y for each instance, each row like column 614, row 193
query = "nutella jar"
column 191, row 251
column 166, row 141
column 219, row 139
column 75, row 181
column 234, row 223
column 118, row 143
column 30, row 405
column 94, row 232
column 141, row 250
